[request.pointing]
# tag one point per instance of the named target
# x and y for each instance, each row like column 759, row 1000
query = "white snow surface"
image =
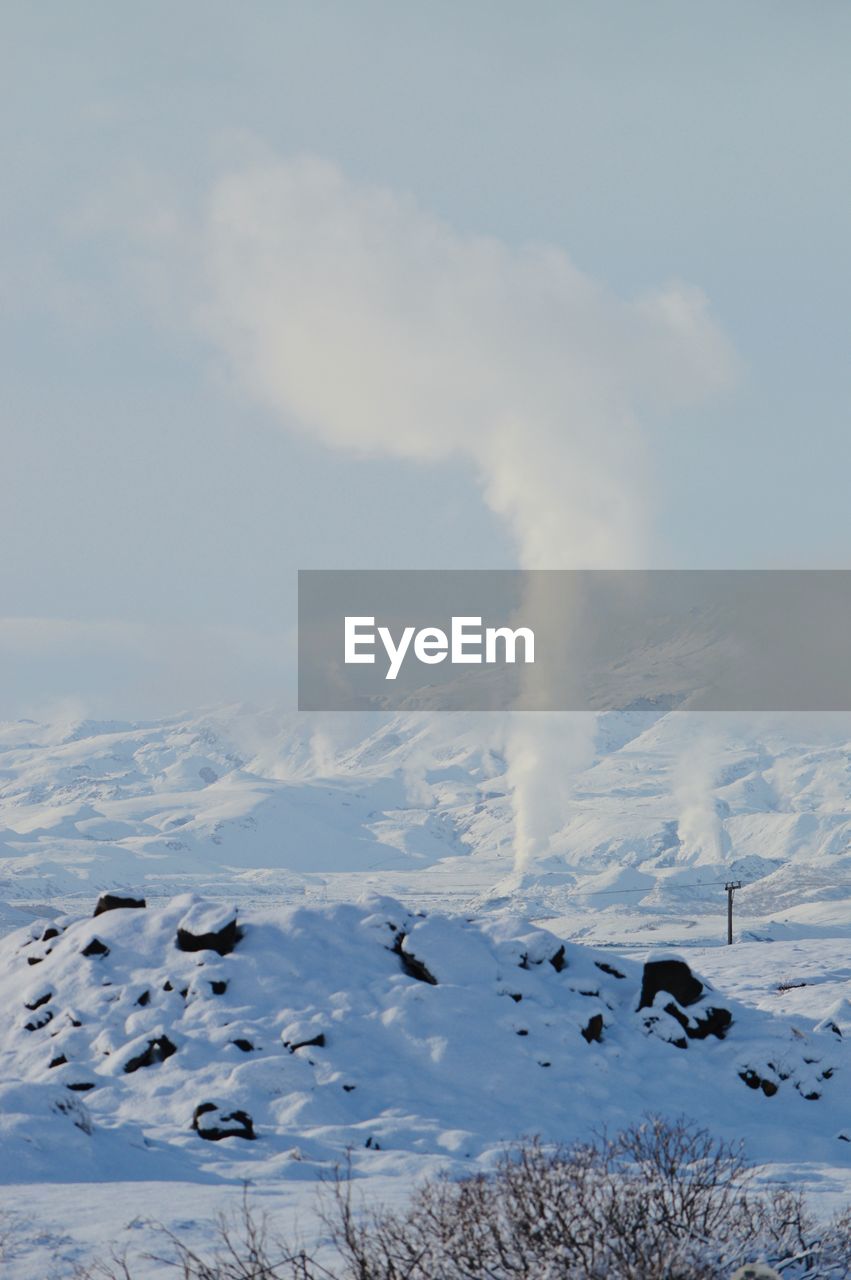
column 405, row 1072
column 304, row 828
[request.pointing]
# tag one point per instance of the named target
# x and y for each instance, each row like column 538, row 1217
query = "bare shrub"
column 244, row 1248
column 658, row 1201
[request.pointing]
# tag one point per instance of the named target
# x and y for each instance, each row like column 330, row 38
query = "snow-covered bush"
column 658, row 1201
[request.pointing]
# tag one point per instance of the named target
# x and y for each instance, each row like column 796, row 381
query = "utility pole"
column 731, row 886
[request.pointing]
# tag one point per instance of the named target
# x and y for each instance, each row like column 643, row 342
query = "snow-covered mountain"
column 655, row 813
column 269, row 804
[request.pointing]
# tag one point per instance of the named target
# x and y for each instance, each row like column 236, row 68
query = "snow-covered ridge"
column 654, row 817
column 262, row 802
column 142, row 1041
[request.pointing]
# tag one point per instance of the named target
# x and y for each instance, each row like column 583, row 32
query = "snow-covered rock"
column 375, row 1028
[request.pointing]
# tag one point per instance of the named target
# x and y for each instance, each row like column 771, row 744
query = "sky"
column 291, row 285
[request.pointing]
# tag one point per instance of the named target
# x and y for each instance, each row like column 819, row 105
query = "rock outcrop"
column 117, row 902
column 212, row 1124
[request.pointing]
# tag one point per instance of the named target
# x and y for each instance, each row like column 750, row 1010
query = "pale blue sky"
column 651, row 142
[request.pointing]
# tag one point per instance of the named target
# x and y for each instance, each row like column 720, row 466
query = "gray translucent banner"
column 717, row 640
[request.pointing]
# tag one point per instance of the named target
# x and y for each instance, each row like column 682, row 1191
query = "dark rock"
column 522, row 1032
column 115, row 902
column 76, row 1113
column 318, row 1041
column 167, row 986
column 36, row 1004
column 157, row 1051
column 37, row 1023
column 610, row 969
column 50, row 933
column 95, row 948
column 58, row 1061
column 245, row 1045
column 754, row 1081
column 558, row 961
column 594, row 1028
column 34, row 959
column 515, row 996
column 144, row 998
column 219, row 987
column 349, row 1088
column 715, row 1022
column 236, row 1124
column 413, row 967
column 80, row 1088
column 650, row 1025
column 673, row 976
column 221, row 940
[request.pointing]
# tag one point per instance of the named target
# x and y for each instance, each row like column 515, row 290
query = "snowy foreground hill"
column 348, row 946
column 190, row 1044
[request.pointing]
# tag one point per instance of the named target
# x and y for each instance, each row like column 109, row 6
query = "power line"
column 697, row 884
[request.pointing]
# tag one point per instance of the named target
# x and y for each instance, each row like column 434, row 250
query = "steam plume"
column 378, row 328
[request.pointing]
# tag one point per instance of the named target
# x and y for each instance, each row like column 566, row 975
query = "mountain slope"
column 646, row 822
